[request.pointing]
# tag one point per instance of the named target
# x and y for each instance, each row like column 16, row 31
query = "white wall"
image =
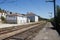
column 11, row 19
column 0, row 15
column 21, row 20
column 32, row 18
column 36, row 18
column 17, row 19
column 28, row 20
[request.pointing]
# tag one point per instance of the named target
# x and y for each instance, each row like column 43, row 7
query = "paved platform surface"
column 47, row 33
column 10, row 25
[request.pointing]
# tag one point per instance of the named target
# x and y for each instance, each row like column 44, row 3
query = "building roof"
column 2, row 12
column 15, row 15
column 31, row 14
column 24, row 15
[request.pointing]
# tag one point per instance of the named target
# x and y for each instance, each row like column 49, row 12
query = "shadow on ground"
column 56, row 27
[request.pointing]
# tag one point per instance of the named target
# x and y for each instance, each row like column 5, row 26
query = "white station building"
column 33, row 17
column 17, row 18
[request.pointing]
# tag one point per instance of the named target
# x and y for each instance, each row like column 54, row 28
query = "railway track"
column 25, row 34
column 14, row 28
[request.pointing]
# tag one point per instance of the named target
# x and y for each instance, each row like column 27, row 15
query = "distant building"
column 19, row 18
column 33, row 17
column 16, row 18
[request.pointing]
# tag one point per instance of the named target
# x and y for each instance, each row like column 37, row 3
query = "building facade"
column 33, row 17
column 17, row 19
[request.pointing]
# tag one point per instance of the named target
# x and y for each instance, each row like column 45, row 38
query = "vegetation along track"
column 26, row 35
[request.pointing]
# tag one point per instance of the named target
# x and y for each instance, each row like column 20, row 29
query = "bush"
column 2, row 18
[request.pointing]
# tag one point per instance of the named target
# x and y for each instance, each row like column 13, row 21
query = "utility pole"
column 54, row 3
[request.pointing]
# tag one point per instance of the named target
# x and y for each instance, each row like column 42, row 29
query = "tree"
column 51, row 20
column 0, row 10
column 2, row 18
column 10, row 12
column 58, row 14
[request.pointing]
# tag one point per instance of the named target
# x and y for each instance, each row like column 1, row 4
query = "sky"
column 39, row 7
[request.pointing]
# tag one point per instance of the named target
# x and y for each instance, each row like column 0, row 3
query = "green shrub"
column 2, row 18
